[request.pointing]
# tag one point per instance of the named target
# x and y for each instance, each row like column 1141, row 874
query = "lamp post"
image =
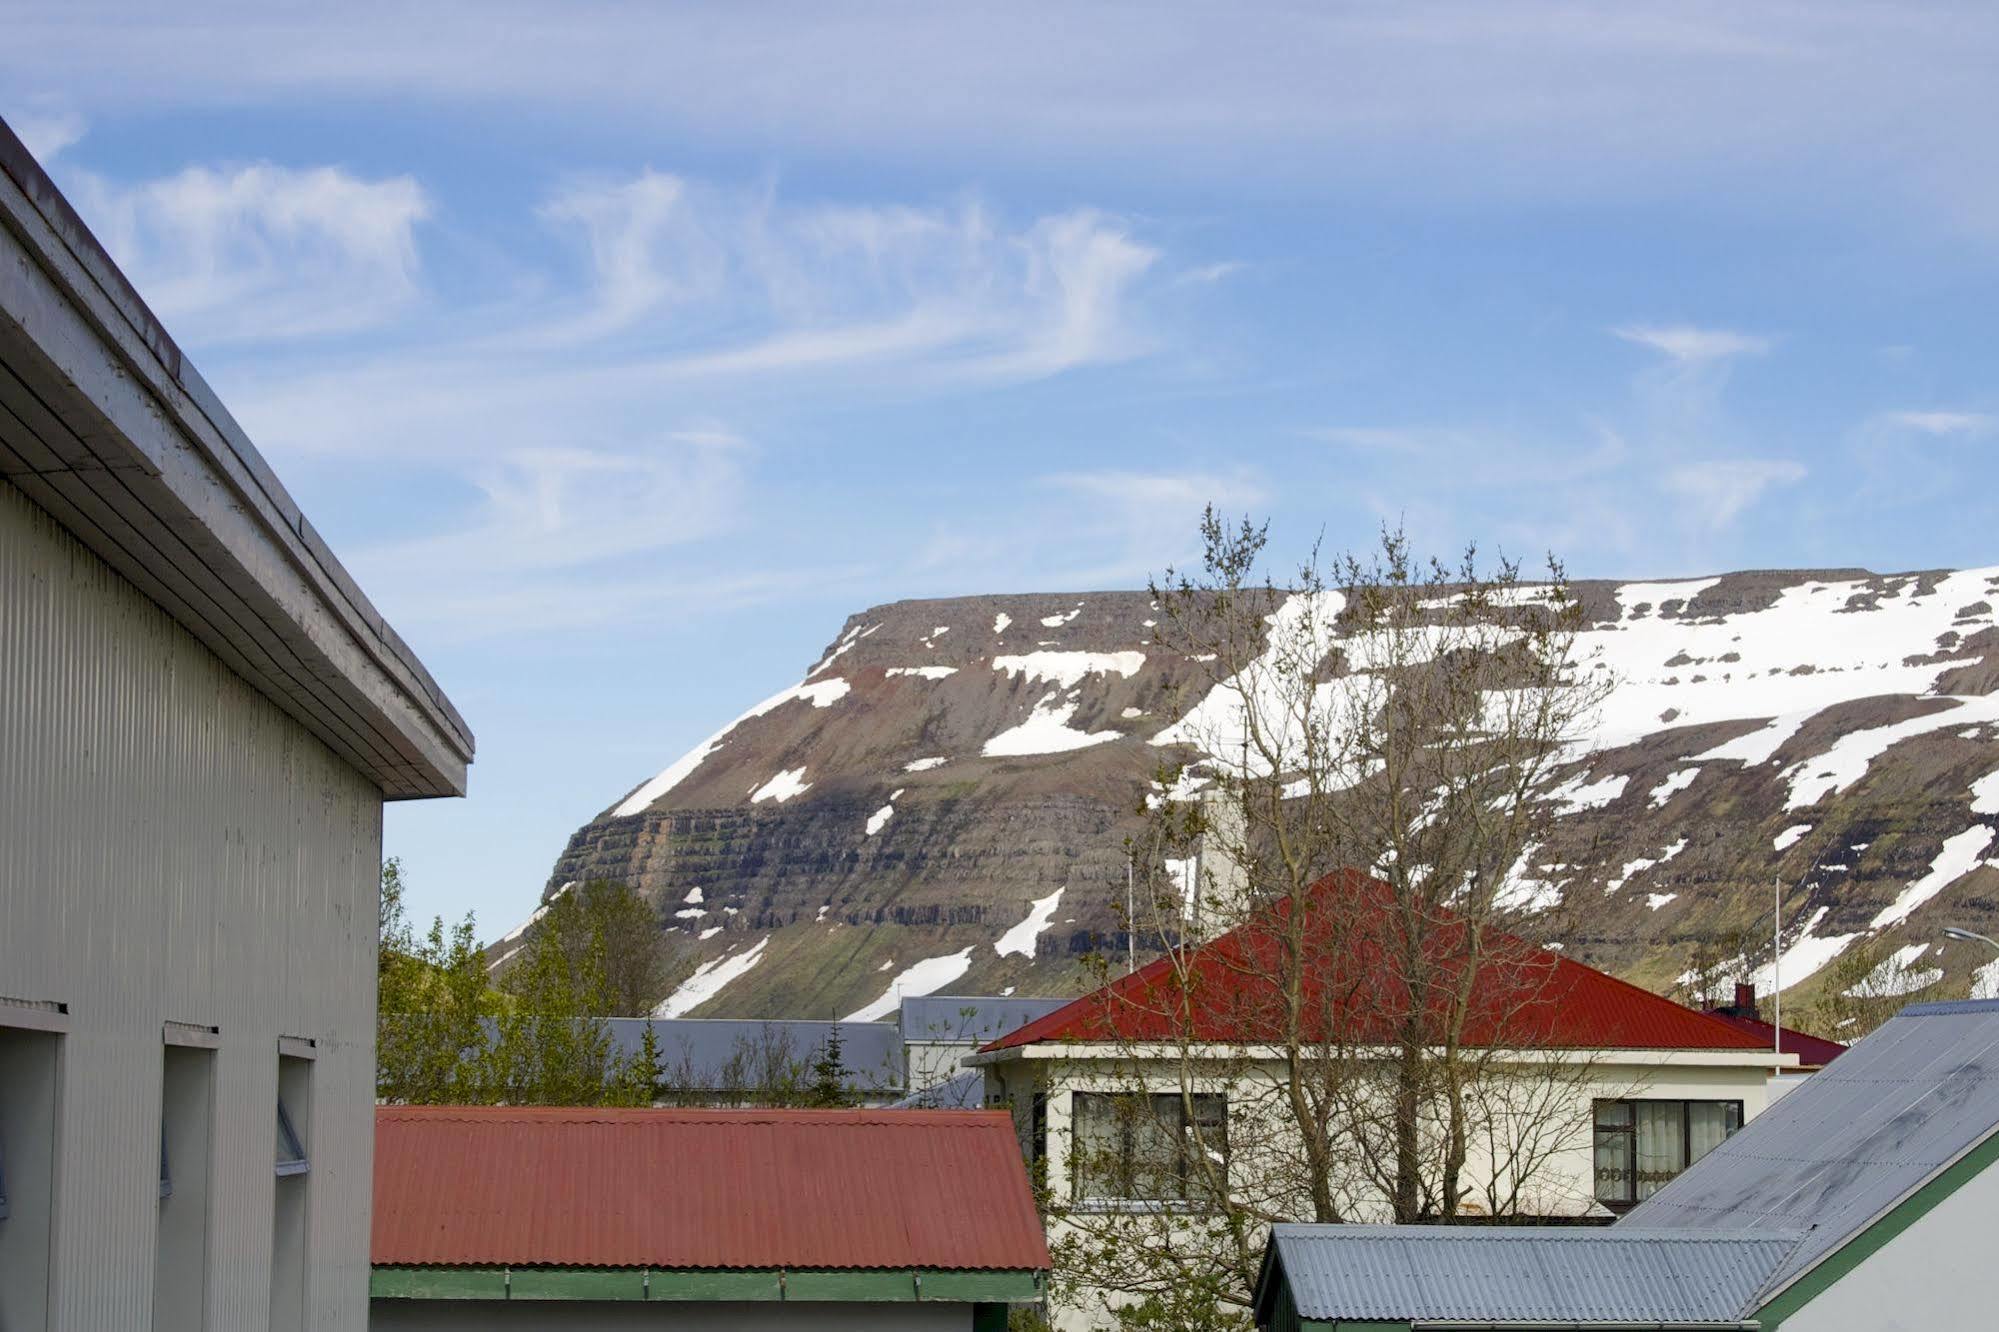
column 1970, row 936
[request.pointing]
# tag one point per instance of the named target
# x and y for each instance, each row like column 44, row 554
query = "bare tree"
column 1369, row 764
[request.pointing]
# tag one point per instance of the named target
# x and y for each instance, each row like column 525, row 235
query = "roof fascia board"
column 1645, row 1058
column 161, row 430
column 1891, row 1221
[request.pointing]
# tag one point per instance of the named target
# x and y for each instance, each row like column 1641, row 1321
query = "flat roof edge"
column 309, row 639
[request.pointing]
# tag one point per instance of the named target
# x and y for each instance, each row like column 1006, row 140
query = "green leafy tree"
column 550, row 1047
column 432, row 1006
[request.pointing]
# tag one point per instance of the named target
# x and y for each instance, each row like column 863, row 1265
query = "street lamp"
column 1970, row 936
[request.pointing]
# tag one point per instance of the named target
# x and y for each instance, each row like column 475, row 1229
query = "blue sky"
column 623, row 351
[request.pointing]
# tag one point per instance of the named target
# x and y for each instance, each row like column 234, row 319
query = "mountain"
column 940, row 805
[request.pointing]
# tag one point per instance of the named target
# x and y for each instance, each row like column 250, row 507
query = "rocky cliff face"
column 941, row 804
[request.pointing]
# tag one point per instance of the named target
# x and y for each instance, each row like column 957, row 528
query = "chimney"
column 1745, row 1000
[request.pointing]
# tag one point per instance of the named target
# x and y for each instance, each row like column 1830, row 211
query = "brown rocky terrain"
column 950, row 765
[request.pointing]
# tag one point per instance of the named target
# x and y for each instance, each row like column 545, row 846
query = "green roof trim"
column 1834, row 1267
column 848, row 1285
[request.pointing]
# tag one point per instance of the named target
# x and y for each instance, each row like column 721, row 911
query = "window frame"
column 1628, row 1132
column 1131, row 1169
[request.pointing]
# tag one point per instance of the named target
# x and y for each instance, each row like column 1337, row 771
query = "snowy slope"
column 950, row 766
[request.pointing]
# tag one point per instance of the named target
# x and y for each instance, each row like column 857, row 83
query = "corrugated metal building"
column 200, row 717
column 728, row 1061
column 591, row 1218
column 940, row 1030
column 1865, row 1199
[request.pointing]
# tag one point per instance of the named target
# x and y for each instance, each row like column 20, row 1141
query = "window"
column 292, row 1159
column 1161, row 1148
column 1640, row 1145
column 291, row 1247
column 181, row 1239
column 30, row 1069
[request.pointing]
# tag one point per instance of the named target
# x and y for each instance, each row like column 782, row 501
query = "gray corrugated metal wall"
column 173, row 847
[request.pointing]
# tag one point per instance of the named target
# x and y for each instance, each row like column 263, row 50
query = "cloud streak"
column 231, row 254
column 1691, row 346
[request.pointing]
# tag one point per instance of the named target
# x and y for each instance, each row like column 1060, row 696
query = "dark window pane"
column 1613, row 1113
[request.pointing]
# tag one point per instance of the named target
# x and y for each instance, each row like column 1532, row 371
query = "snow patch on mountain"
column 1020, row 939
column 1067, row 669
column 709, row 979
column 819, row 693
column 926, row 977
column 1808, row 954
column 1959, row 856
column 1046, row 731
column 1675, row 782
column 787, row 784
column 1789, row 838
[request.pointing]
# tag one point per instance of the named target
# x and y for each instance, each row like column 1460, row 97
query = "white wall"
column 178, row 849
column 1931, row 1276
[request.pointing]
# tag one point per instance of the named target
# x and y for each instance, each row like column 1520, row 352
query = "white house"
column 200, row 717
column 1120, row 1097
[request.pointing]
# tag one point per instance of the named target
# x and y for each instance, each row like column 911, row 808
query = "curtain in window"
column 1662, row 1144
column 1613, row 1151
column 1099, row 1148
column 1708, row 1123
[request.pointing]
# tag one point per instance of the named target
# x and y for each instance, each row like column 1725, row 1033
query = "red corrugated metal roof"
column 1348, row 939
column 522, row 1186
column 1812, row 1051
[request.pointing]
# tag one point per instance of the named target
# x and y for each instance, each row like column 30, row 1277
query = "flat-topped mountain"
column 942, row 801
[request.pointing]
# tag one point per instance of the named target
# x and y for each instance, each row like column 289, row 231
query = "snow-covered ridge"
column 819, row 693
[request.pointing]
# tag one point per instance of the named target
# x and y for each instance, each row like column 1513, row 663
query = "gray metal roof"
column 1532, row 1275
column 1849, row 1142
column 697, row 1052
column 970, row 1019
column 966, row 1091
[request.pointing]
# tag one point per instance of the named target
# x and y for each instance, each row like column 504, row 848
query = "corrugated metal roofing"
column 965, row 1091
column 1812, row 1051
column 972, row 1019
column 1524, row 1275
column 1522, row 995
column 521, row 1186
column 1850, row 1141
column 698, row 1052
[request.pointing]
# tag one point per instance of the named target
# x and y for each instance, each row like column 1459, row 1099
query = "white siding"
column 178, row 849
column 1930, row 1276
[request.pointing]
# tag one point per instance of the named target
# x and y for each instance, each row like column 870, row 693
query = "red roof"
column 759, row 1189
column 1348, row 935
column 1812, row 1051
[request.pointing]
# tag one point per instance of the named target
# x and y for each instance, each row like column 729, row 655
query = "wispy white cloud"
column 225, row 254
column 1944, row 424
column 1526, row 99
column 1689, row 345
column 1718, row 491
column 48, row 135
column 553, row 527
column 1204, row 275
column 700, row 298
